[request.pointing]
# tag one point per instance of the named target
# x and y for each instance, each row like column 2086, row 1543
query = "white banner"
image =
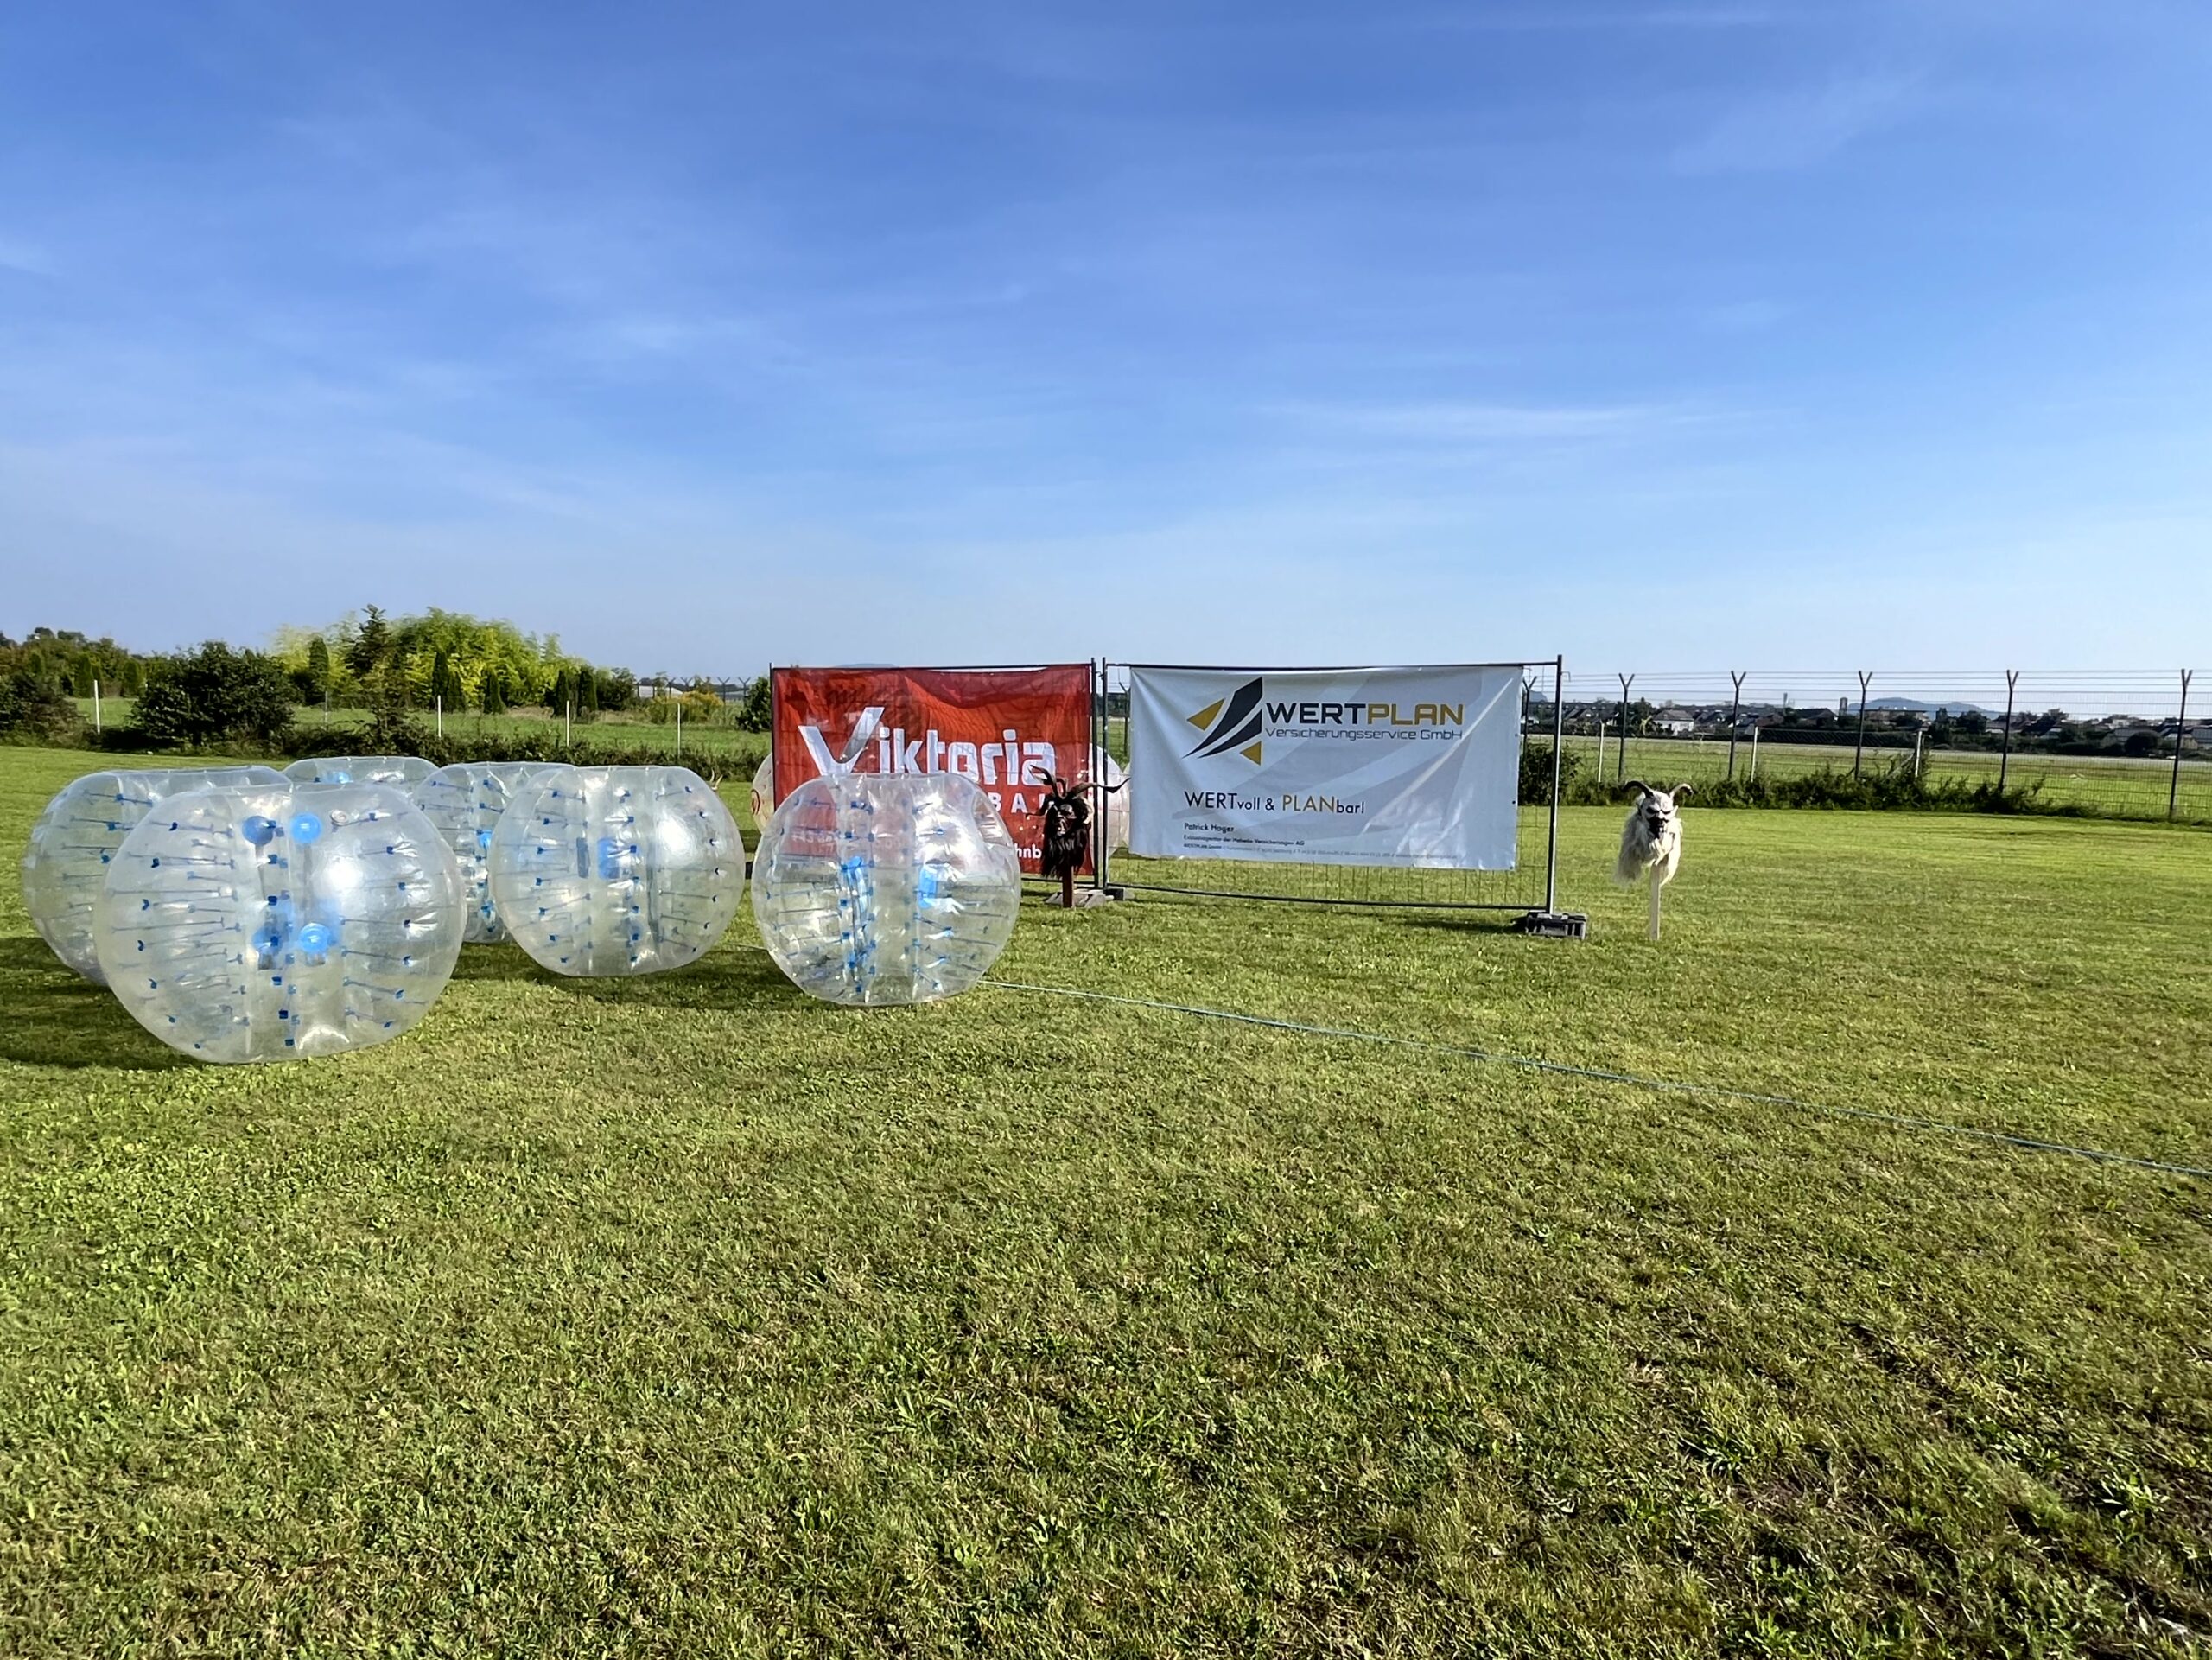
column 1414, row 768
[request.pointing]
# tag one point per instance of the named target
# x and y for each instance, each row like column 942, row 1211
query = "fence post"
column 438, row 703
column 568, row 727
column 777, row 788
column 1620, row 750
column 95, row 704
column 1859, row 755
column 679, row 729
column 2181, row 737
column 1559, row 750
column 1101, row 826
column 2005, row 751
column 1735, row 719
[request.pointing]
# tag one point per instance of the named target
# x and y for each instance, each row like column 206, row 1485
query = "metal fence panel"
column 1529, row 886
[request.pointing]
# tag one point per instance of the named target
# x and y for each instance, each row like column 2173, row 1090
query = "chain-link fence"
column 2134, row 744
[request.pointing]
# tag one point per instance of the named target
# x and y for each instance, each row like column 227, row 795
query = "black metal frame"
column 1548, row 919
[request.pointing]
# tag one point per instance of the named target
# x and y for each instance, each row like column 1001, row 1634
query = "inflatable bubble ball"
column 1115, row 800
column 601, row 870
column 404, row 771
column 78, row 835
column 464, row 803
column 876, row 889
column 1103, row 768
column 280, row 922
column 763, row 791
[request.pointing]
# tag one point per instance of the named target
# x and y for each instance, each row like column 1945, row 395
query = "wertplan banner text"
column 1413, row 768
column 1006, row 728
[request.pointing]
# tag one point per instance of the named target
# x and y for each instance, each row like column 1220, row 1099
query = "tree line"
column 393, row 670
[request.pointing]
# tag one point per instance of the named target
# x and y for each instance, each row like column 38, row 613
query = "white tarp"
column 1415, row 768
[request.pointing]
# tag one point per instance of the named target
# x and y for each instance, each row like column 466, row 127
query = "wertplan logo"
column 1242, row 722
column 1413, row 767
column 1231, row 723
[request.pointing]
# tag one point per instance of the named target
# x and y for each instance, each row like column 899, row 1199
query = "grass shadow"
column 1490, row 923
column 725, row 981
column 49, row 1017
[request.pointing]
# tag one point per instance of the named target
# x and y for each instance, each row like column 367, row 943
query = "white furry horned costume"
column 1652, row 841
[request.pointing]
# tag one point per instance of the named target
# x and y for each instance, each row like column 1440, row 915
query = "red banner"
column 1006, row 728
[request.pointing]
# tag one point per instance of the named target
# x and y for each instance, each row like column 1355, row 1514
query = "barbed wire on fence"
column 2128, row 742
column 2134, row 743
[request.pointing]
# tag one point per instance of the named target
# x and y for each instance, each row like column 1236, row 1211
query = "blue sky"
column 1668, row 334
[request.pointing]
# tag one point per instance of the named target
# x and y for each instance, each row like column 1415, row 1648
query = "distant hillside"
column 1914, row 705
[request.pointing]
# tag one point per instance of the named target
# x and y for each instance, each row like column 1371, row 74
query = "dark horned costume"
column 1066, row 808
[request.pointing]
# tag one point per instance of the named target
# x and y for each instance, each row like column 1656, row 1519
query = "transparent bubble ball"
column 79, row 834
column 604, row 871
column 763, row 791
column 280, row 922
column 1103, row 768
column 874, row 889
column 1114, row 799
column 464, row 804
column 404, row 771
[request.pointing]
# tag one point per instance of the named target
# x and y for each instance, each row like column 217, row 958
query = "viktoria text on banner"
column 1008, row 729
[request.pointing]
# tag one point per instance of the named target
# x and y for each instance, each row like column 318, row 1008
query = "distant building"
column 1675, row 722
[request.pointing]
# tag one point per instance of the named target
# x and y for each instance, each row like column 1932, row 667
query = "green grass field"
column 687, row 1317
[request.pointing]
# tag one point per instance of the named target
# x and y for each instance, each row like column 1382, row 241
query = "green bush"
column 1886, row 786
column 1890, row 786
column 215, row 696
column 1536, row 775
column 752, row 715
column 33, row 710
column 700, row 708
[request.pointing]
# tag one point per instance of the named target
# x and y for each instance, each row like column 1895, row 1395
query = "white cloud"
column 1745, row 317
column 1650, row 17
column 1802, row 127
column 23, row 256
column 1454, row 422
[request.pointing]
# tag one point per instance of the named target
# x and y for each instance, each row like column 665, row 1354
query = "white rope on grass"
column 1600, row 1075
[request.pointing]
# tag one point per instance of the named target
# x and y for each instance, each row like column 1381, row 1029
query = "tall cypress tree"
column 371, row 644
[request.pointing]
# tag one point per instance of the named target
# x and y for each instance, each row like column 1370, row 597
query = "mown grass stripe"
column 1601, row 1075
